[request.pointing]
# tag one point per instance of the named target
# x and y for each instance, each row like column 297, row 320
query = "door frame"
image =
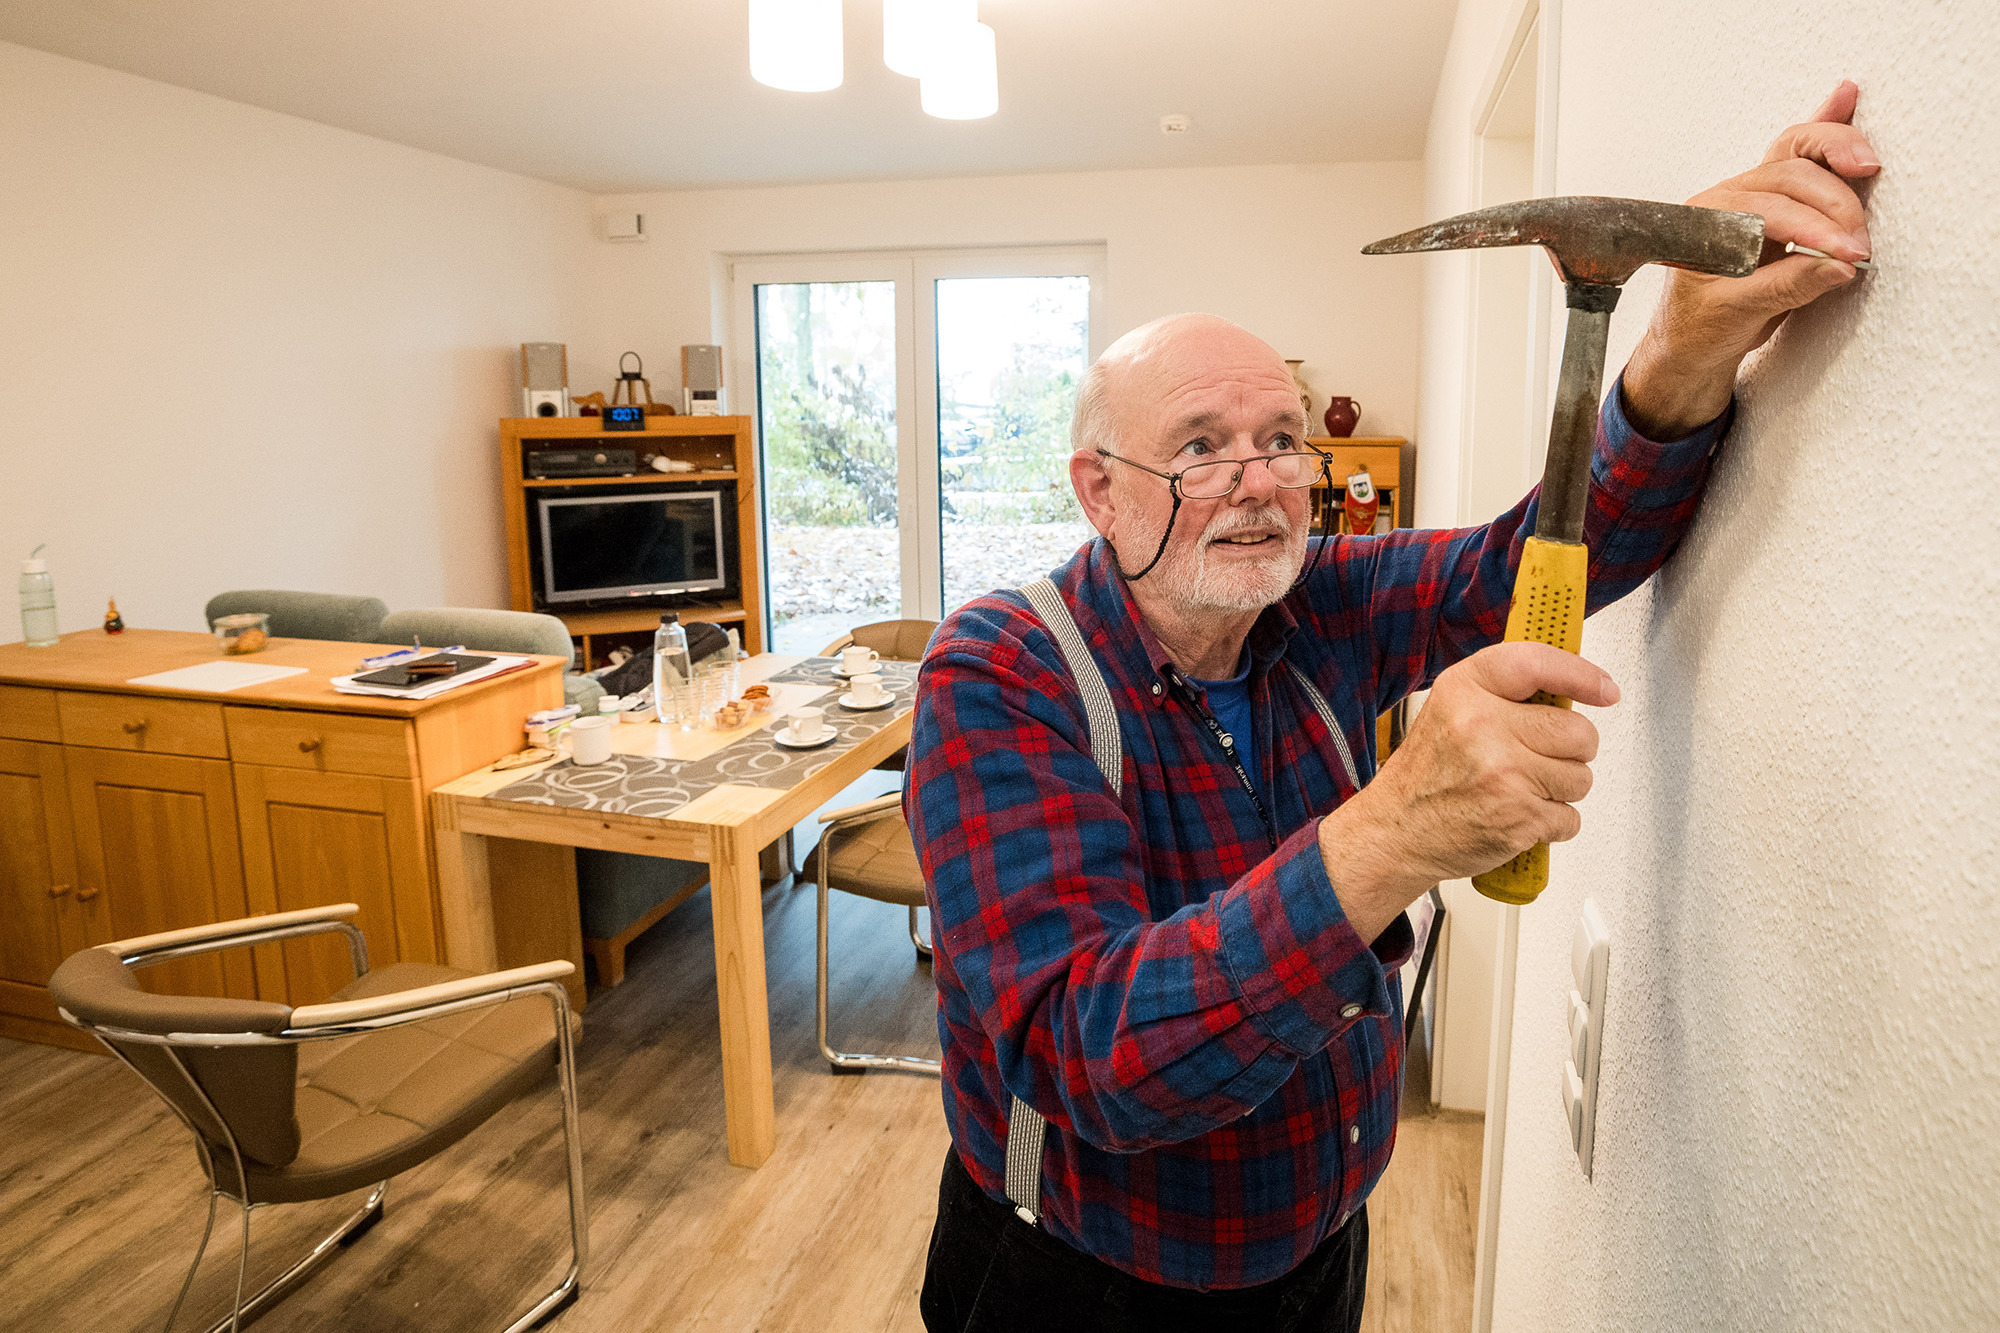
column 1541, row 21
column 914, row 271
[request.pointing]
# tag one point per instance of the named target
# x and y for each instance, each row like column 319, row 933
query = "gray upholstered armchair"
column 305, row 615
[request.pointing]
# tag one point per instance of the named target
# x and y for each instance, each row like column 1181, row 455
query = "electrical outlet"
column 1589, row 961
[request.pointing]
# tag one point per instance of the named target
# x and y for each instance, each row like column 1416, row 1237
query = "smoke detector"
column 1177, row 124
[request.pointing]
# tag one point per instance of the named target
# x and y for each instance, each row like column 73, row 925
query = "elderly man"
column 1173, row 936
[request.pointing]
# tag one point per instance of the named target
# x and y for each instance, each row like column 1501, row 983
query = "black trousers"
column 990, row 1272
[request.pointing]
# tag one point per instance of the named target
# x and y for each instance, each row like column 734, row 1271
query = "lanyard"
column 1228, row 744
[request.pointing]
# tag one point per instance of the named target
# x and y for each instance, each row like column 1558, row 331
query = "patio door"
column 912, row 415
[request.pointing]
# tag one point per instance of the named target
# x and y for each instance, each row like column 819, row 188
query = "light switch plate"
column 1590, row 964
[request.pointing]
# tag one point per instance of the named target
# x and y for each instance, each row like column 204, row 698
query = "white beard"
column 1197, row 584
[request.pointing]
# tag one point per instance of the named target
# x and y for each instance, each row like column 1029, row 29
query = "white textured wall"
column 239, row 349
column 1274, row 248
column 1797, row 814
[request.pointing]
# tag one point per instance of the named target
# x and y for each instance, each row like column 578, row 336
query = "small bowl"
column 248, row 632
column 757, row 704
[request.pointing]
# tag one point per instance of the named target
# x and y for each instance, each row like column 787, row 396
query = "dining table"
column 716, row 795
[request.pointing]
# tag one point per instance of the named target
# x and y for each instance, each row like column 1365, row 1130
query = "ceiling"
column 630, row 95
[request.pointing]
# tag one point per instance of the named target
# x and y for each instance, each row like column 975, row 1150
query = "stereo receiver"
column 583, row 462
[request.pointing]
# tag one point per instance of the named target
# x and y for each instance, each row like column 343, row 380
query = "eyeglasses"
column 1291, row 470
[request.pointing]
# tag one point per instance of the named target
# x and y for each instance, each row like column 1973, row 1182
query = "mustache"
column 1268, row 518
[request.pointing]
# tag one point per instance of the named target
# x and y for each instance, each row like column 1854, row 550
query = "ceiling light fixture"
column 961, row 81
column 911, row 28
column 795, row 44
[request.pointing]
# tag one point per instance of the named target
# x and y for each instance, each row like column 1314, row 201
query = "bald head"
column 1149, row 363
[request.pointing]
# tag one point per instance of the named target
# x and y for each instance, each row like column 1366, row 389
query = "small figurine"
column 113, row 622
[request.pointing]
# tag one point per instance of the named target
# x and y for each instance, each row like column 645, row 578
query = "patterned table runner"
column 648, row 785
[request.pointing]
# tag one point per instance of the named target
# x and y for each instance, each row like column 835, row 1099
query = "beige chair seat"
column 372, row 1106
column 875, row 860
column 317, row 1101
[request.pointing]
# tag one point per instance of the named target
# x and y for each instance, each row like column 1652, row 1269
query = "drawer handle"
column 85, row 895
column 134, row 728
column 307, row 747
column 58, row 890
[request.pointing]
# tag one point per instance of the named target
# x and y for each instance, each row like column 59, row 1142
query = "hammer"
column 1596, row 244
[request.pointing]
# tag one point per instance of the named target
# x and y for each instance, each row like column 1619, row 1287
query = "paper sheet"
column 217, row 677
column 498, row 666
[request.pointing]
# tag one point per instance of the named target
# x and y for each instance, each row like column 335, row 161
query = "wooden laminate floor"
column 101, row 1200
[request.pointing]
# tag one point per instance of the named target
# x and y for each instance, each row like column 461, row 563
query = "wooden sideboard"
column 126, row 809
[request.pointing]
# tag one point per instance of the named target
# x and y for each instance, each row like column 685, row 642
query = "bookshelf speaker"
column 701, row 376
column 544, row 380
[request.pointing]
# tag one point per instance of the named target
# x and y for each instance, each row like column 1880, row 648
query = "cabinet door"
column 156, row 850
column 39, row 921
column 310, row 839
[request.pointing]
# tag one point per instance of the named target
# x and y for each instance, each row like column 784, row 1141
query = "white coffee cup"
column 807, row 724
column 867, row 689
column 590, row 739
column 855, row 659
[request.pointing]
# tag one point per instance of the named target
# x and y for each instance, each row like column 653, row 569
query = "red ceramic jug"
column 1341, row 415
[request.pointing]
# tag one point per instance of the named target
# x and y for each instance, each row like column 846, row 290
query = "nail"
column 1794, row 248
column 1611, row 690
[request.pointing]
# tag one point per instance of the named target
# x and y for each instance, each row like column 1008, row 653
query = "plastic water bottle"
column 38, row 602
column 673, row 675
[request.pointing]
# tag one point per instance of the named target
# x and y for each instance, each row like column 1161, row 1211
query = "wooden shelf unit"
column 721, row 448
column 1383, row 456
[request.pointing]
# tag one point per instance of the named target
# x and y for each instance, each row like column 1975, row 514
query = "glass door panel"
column 826, row 400
column 1010, row 353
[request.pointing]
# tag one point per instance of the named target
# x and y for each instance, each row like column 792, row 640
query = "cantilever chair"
column 293, row 1104
column 895, row 640
column 866, row 850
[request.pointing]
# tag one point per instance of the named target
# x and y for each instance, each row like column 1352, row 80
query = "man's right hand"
column 1482, row 776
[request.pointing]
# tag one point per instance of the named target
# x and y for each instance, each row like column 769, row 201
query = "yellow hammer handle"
column 1548, row 608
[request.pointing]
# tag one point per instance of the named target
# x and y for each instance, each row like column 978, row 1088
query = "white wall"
column 1793, row 834
column 1273, row 248
column 244, row 350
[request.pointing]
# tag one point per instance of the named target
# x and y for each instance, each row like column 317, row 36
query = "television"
column 608, row 546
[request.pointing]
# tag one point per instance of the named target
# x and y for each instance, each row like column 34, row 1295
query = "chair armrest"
column 223, row 934
column 495, row 985
column 865, row 810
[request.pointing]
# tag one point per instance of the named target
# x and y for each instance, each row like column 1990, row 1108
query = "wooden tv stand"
column 721, row 448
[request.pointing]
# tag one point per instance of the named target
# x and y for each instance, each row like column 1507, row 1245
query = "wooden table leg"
column 736, row 910
column 465, row 894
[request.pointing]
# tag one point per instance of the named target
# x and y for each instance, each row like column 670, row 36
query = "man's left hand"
column 1684, row 370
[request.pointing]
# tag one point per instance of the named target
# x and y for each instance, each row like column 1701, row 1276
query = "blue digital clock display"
column 625, row 417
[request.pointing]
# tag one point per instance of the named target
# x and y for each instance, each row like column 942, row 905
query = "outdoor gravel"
column 825, row 581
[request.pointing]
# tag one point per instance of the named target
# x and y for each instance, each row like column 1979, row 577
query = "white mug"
column 855, row 659
column 867, row 690
column 590, row 739
column 807, row 724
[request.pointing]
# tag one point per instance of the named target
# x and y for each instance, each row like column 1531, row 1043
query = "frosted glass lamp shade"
column 795, row 44
column 962, row 80
column 910, row 30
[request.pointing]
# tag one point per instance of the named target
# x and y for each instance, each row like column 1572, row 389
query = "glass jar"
column 248, row 632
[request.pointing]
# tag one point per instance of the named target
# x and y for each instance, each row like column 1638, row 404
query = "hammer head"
column 1598, row 240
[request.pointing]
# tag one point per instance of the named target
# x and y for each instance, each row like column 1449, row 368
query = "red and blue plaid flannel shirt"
column 1176, row 989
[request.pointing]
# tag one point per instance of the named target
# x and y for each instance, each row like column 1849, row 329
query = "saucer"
column 847, row 702
column 783, row 736
column 841, row 672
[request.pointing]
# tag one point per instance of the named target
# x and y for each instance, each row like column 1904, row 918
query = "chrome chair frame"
column 514, row 983
column 862, row 813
